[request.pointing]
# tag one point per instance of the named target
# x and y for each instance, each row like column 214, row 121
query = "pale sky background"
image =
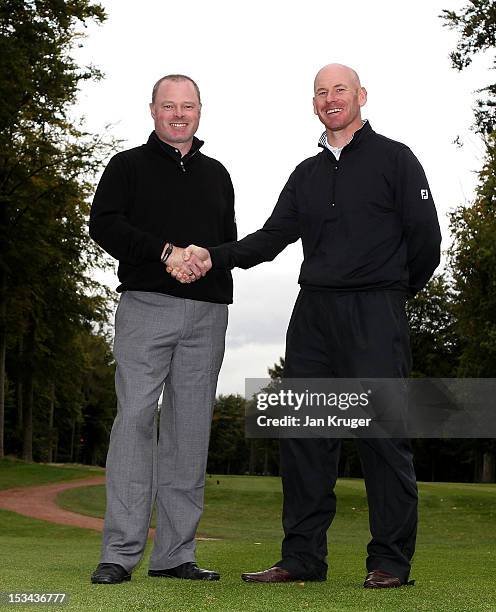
column 255, row 63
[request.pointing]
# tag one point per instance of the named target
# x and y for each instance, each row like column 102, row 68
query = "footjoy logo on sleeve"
column 424, row 194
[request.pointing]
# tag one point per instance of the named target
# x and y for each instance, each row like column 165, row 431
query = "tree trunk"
column 3, row 349
column 487, row 474
column 27, row 438
column 51, row 411
column 477, row 465
column 77, row 443
column 266, row 458
column 19, row 383
column 253, row 457
column 72, row 440
column 56, row 445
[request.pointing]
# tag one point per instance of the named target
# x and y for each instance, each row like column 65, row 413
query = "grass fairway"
column 454, row 565
column 15, row 473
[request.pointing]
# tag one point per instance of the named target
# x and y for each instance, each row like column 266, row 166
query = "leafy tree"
column 228, row 448
column 473, row 254
column 473, row 261
column 98, row 398
column 277, row 370
column 433, row 335
column 46, row 165
column 476, row 24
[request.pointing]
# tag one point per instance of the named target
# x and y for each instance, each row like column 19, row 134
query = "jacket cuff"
column 220, row 257
column 155, row 248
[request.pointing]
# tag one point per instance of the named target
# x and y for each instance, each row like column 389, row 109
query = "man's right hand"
column 190, row 264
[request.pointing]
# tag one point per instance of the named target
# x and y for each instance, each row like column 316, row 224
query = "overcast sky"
column 255, row 63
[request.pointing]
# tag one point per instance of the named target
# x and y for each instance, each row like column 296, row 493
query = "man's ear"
column 152, row 109
column 362, row 96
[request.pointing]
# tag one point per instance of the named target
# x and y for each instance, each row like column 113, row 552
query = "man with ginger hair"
column 168, row 337
column 363, row 210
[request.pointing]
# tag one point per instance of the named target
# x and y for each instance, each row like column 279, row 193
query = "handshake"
column 189, row 264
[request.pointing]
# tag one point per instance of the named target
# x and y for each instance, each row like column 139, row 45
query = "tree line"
column 53, row 356
column 57, row 398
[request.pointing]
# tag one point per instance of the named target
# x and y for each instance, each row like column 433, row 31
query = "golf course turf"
column 454, row 565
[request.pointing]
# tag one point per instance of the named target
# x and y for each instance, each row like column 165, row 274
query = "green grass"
column 454, row 565
column 15, row 473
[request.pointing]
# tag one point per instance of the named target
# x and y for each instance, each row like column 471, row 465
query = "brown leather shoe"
column 273, row 574
column 379, row 579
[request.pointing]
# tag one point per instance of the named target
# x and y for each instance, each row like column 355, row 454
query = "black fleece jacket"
column 366, row 222
column 150, row 195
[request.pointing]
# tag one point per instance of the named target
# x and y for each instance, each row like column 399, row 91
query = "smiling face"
column 176, row 113
column 338, row 98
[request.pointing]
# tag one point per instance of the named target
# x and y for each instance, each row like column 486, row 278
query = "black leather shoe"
column 188, row 571
column 109, row 573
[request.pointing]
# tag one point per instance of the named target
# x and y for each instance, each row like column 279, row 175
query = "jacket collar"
column 356, row 138
column 163, row 148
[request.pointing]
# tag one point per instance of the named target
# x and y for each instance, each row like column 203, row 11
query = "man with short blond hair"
column 168, row 337
column 363, row 210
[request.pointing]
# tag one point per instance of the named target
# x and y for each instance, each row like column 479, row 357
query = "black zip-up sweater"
column 150, row 195
column 366, row 222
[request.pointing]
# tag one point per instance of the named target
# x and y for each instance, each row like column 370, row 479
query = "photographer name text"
column 331, row 421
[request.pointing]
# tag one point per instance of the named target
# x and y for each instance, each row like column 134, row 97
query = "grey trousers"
column 175, row 345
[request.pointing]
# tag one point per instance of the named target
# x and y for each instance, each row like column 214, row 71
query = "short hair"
column 175, row 77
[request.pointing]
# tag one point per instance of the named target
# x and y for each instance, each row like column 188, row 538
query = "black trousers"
column 360, row 334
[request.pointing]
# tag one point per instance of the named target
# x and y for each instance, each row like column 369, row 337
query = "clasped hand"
column 189, row 264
